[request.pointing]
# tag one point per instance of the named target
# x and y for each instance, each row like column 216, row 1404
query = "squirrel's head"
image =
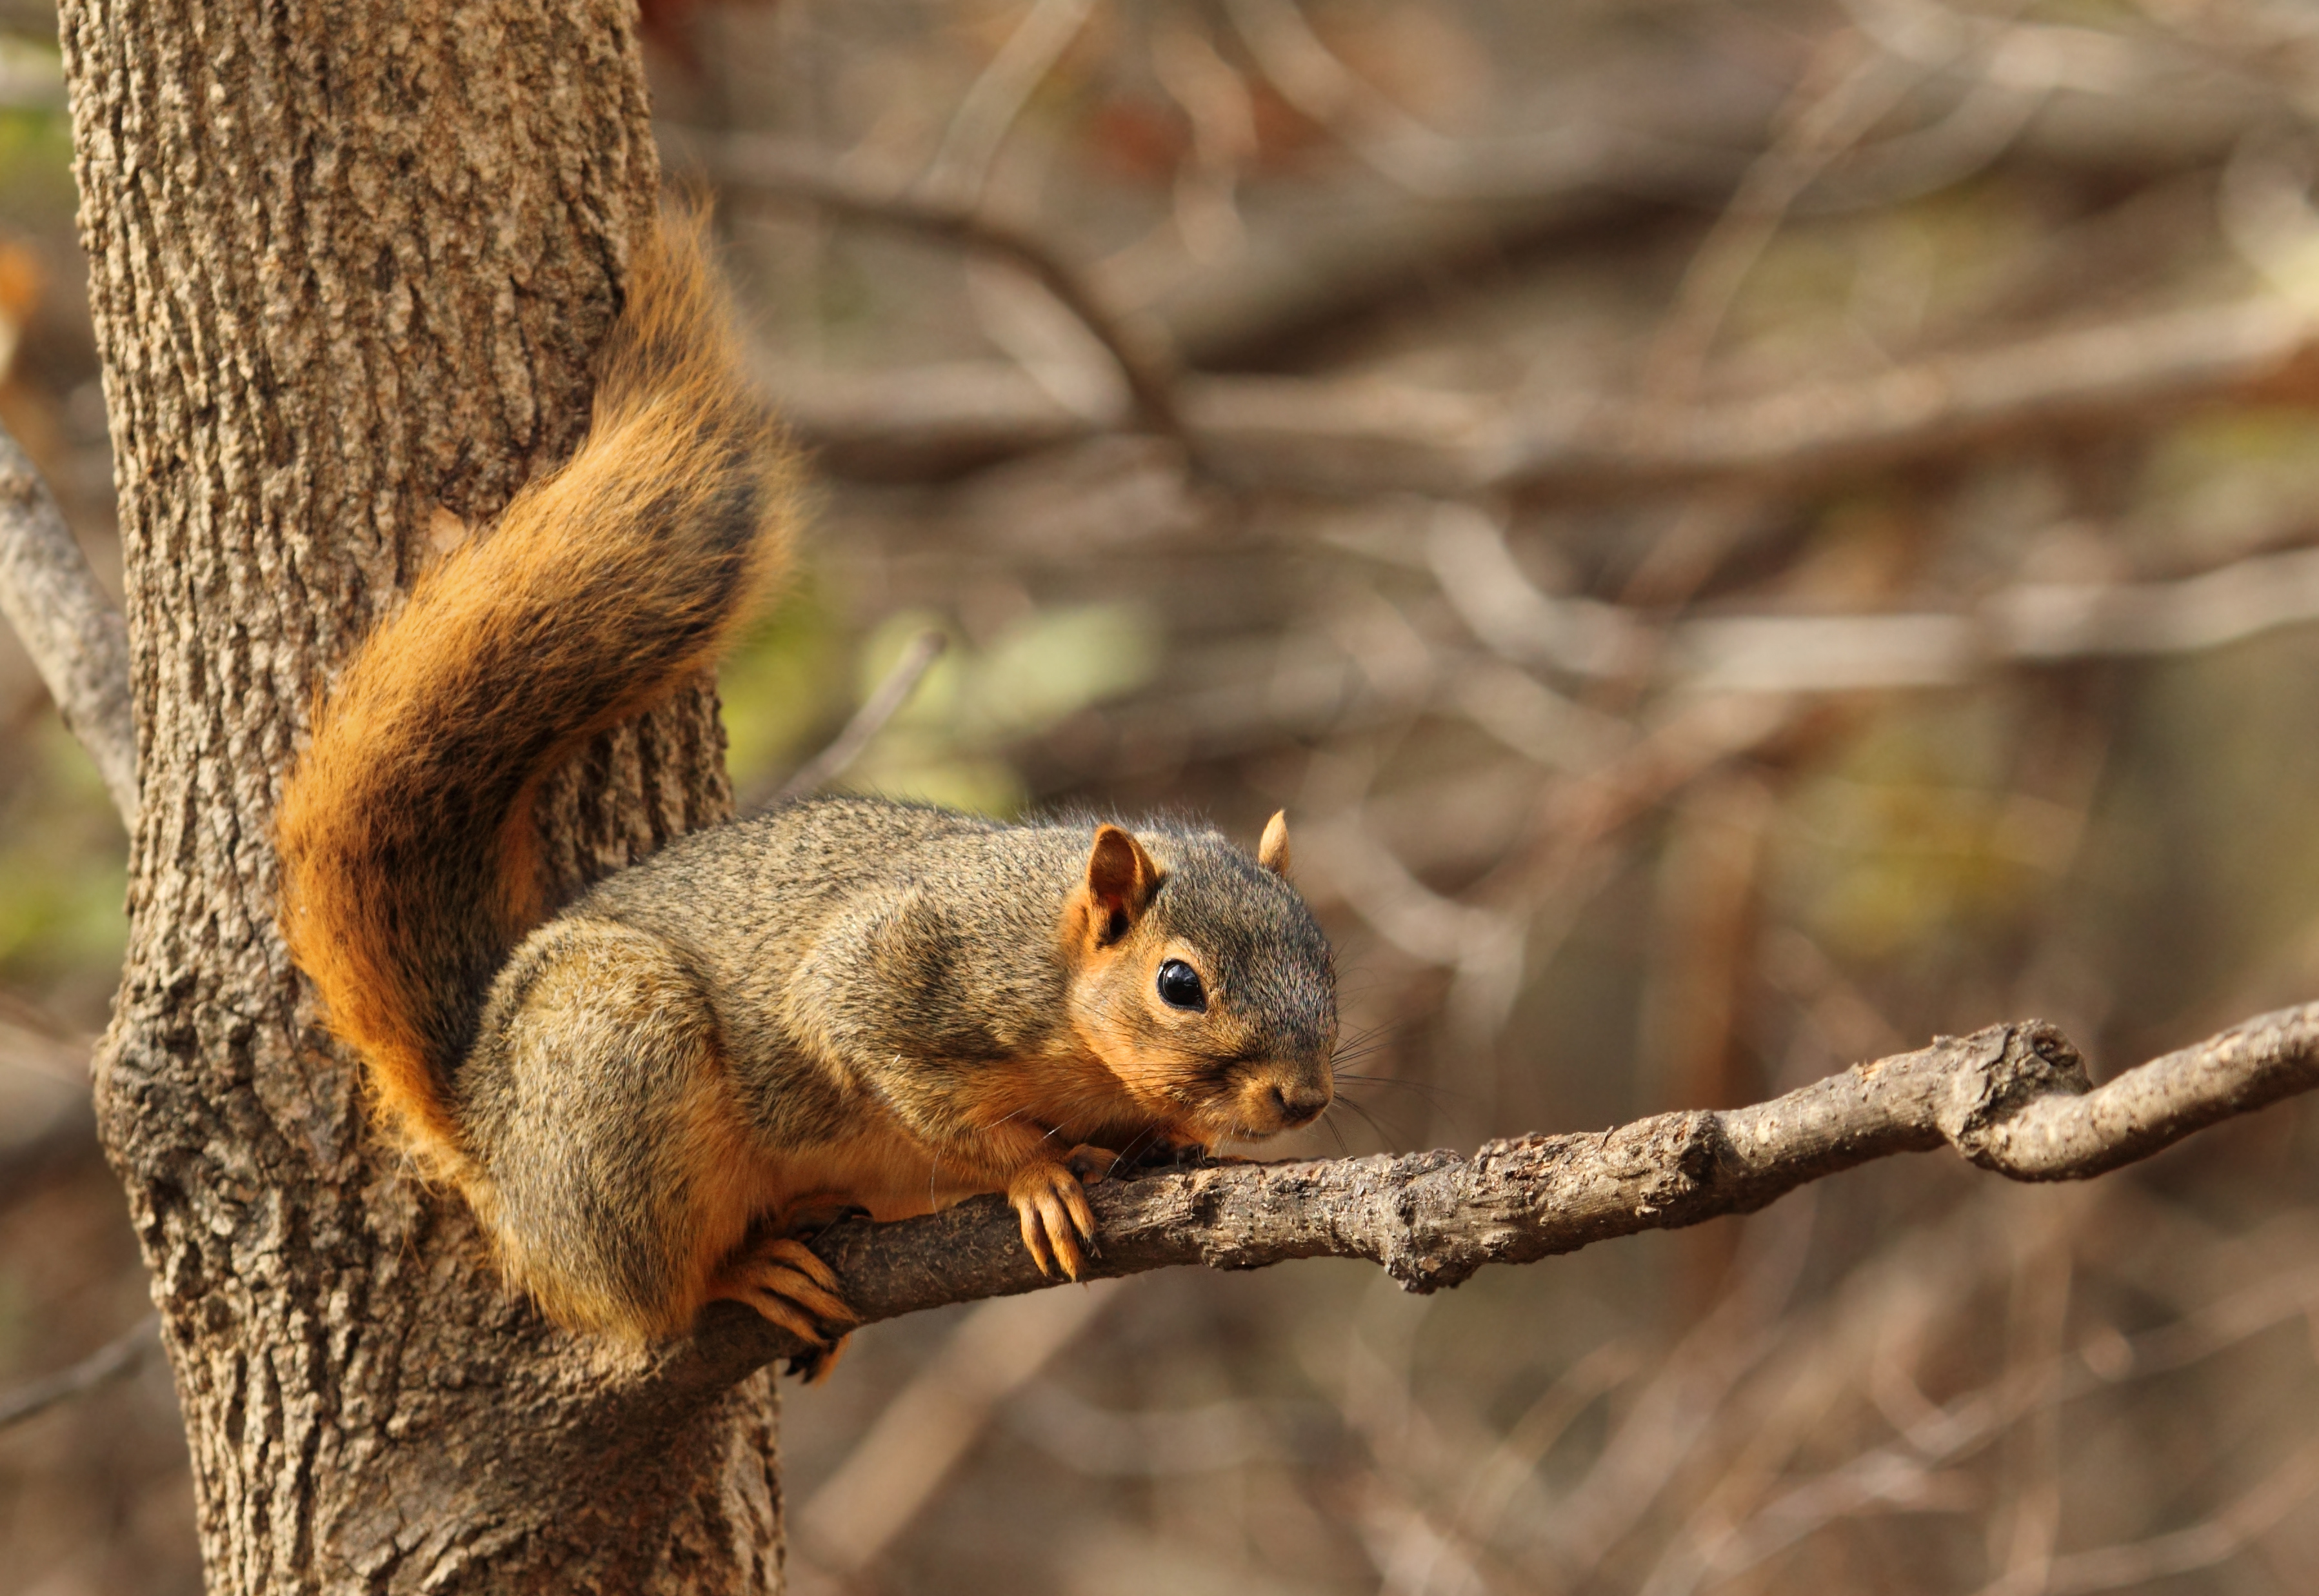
column 1200, row 979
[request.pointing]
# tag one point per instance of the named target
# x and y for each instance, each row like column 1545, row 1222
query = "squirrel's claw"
column 789, row 1268
column 1054, row 1216
column 789, row 1286
column 813, row 1365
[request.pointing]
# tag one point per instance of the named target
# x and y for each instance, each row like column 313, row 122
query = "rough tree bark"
column 348, row 264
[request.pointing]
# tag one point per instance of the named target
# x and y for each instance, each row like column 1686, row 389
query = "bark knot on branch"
column 2005, row 1069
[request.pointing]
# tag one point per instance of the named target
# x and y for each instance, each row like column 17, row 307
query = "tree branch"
column 2013, row 1099
column 76, row 638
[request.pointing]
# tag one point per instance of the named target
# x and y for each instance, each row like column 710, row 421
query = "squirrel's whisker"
column 1371, row 1119
column 1135, row 1145
column 1332, row 1124
column 1428, row 1090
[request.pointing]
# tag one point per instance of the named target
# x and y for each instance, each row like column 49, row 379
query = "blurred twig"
column 76, row 638
column 784, row 170
column 960, row 169
column 1413, row 156
column 2010, row 72
column 932, row 1422
column 1849, row 88
column 2185, row 1551
column 1659, row 1429
column 36, row 1040
column 1496, row 1481
column 867, row 721
column 67, row 1144
column 117, row 1358
column 1941, row 1436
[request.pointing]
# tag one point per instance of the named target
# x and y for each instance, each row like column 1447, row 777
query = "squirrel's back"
column 406, row 829
column 869, row 923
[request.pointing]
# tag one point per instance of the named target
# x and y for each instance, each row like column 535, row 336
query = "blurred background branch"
column 75, row 634
column 1372, row 437
column 117, row 1358
column 764, row 167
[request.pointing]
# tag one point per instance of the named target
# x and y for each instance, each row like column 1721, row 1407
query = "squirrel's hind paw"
column 1091, row 1164
column 1055, row 1217
column 786, row 1283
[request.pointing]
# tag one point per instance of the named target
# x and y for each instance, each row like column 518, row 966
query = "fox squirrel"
column 844, row 1004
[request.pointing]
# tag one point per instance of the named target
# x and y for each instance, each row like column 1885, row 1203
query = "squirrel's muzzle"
column 1286, row 1095
column 1300, row 1105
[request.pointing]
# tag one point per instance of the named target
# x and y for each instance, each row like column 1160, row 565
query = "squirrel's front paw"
column 1054, row 1215
column 786, row 1281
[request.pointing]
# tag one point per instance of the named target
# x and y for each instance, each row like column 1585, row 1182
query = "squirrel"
column 841, row 1006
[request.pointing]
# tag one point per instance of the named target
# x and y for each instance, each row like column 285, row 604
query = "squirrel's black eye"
column 1179, row 986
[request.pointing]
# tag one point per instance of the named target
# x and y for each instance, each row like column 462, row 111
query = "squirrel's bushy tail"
column 406, row 830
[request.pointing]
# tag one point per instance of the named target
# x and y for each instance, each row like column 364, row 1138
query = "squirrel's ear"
column 1272, row 852
column 1120, row 880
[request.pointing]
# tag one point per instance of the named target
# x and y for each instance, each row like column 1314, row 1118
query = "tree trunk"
column 348, row 264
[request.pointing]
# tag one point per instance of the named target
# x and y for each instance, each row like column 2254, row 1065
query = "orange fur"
column 728, row 1178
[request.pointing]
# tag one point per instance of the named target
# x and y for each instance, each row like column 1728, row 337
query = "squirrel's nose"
column 1299, row 1105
